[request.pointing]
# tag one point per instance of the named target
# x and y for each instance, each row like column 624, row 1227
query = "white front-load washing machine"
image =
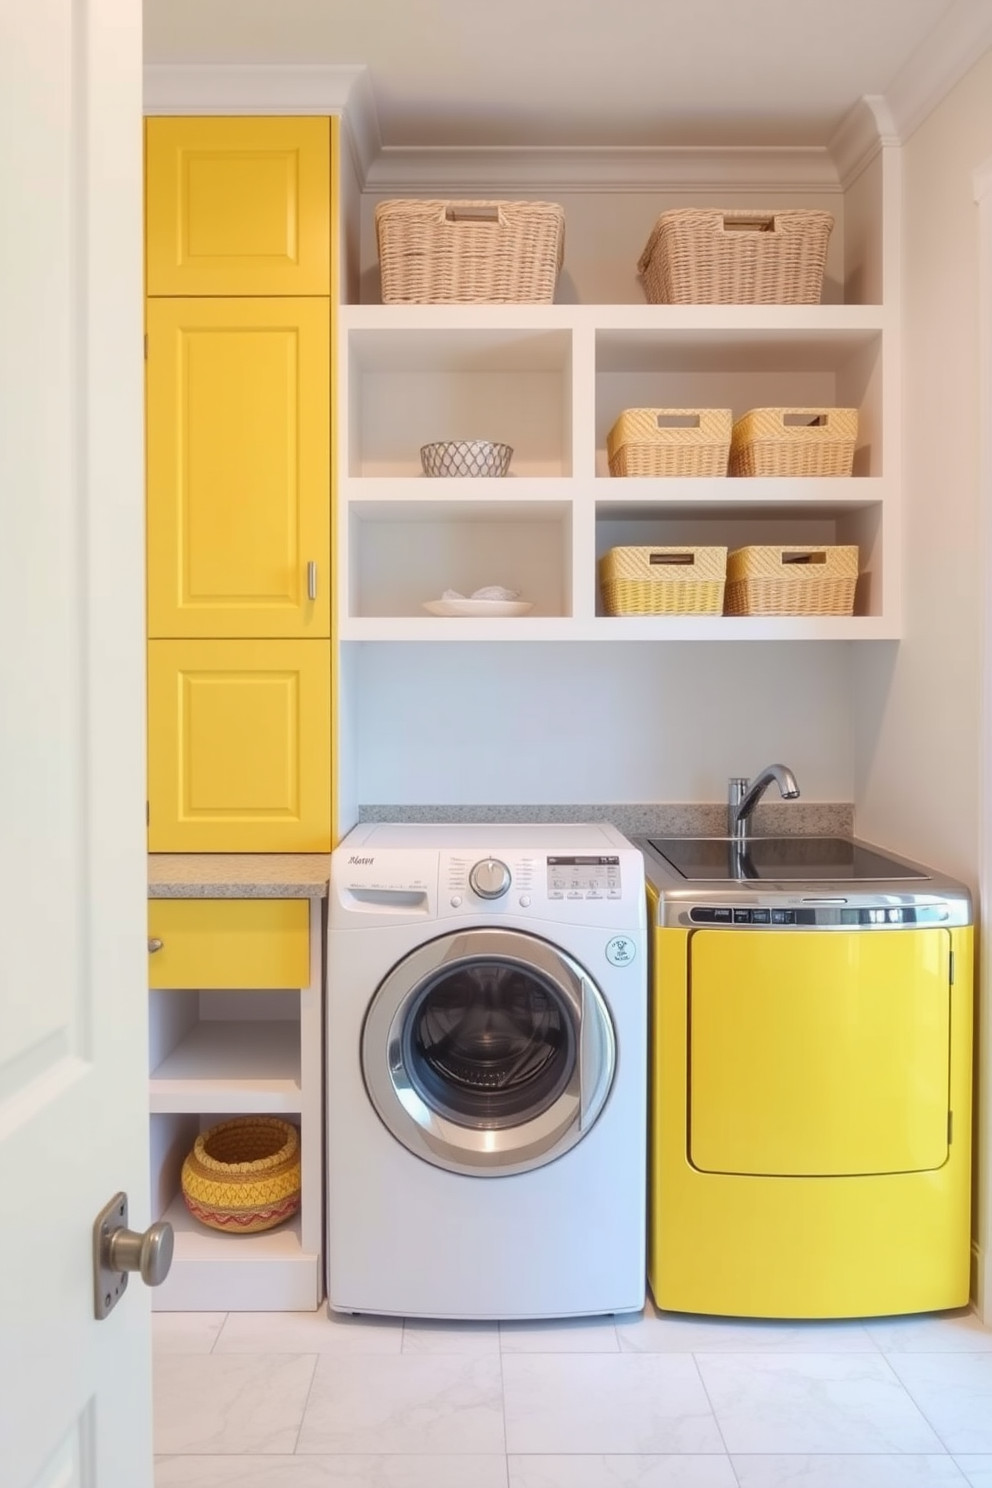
column 486, row 1071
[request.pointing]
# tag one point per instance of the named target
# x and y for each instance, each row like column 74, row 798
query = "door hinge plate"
column 108, row 1286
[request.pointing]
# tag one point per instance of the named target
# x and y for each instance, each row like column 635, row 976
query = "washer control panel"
column 584, row 877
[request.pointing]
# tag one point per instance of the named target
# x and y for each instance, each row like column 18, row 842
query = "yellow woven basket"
column 794, row 441
column 469, row 252
column 710, row 257
column 791, row 581
column 663, row 581
column 670, row 441
column 244, row 1175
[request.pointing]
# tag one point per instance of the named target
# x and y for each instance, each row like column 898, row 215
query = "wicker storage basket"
column 244, row 1175
column 469, row 252
column 794, row 441
column 709, row 257
column 663, row 581
column 792, row 581
column 670, row 441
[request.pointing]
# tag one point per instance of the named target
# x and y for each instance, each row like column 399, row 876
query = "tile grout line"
column 910, row 1396
column 303, row 1412
column 716, row 1418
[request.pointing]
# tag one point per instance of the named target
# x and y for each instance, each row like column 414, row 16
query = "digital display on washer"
column 584, row 876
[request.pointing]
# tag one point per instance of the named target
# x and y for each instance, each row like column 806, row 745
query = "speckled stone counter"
column 646, row 819
column 238, row 875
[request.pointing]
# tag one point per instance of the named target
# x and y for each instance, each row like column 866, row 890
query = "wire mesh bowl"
column 471, row 457
column 244, row 1175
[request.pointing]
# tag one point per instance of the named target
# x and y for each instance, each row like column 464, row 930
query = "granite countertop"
column 238, row 875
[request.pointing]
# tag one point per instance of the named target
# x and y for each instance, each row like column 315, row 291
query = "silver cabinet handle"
column 311, row 580
column 154, row 945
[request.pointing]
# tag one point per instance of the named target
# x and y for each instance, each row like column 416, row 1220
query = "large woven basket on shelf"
column 244, row 1175
column 791, row 581
column 703, row 256
column 663, row 581
column 794, row 441
column 469, row 252
column 670, row 441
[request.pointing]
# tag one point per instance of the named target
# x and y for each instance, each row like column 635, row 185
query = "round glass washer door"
column 488, row 1052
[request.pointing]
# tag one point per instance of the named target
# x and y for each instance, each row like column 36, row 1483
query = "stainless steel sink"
column 778, row 859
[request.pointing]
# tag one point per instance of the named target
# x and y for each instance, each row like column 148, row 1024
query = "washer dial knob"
column 490, row 878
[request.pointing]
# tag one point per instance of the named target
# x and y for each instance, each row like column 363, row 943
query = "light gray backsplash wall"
column 548, row 725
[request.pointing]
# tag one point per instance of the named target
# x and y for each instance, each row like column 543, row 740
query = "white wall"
column 599, row 722
column 918, row 740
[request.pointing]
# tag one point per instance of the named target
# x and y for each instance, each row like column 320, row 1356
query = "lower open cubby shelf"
column 215, row 1055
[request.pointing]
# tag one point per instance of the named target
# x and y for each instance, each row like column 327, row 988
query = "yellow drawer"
column 251, row 943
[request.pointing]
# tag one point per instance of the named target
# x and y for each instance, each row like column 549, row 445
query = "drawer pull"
column 154, row 945
column 311, row 580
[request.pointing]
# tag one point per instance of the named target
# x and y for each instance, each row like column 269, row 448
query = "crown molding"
column 859, row 136
column 221, row 88
column 941, row 60
column 402, row 169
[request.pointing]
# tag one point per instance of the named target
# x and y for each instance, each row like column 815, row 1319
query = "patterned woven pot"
column 244, row 1175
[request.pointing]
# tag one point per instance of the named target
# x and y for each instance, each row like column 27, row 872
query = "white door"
column 75, row 1393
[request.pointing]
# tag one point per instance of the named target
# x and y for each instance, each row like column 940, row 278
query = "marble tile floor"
column 311, row 1400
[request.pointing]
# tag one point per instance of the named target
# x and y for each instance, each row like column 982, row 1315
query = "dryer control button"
column 525, row 901
column 620, row 951
column 456, row 900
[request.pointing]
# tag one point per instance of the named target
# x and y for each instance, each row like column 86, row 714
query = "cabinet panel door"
column 819, row 1052
column 238, row 206
column 244, row 943
column 238, row 428
column 239, row 746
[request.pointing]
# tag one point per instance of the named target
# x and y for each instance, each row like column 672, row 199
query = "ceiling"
column 577, row 73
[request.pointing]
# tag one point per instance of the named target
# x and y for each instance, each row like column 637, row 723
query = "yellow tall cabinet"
column 239, row 284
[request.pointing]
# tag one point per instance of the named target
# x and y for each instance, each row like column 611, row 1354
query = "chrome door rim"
column 497, row 1151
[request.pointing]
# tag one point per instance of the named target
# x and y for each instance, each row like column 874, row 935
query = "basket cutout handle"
column 805, row 420
column 672, row 558
column 484, row 212
column 818, row 557
column 677, row 420
column 757, row 222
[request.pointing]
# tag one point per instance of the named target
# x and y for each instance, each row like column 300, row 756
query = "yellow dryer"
column 810, row 1143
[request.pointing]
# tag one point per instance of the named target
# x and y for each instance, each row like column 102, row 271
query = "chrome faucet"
column 743, row 795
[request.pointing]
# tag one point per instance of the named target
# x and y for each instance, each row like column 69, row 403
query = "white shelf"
column 623, row 628
column 222, row 1064
column 729, row 496
column 381, row 333
column 211, row 1272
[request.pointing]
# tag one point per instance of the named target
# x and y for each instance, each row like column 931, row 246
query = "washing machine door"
column 488, row 1052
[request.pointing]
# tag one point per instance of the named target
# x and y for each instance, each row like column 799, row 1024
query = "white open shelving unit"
column 551, row 380
column 218, row 1054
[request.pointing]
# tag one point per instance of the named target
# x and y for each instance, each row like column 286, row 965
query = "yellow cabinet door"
column 238, row 456
column 819, row 1053
column 238, row 206
column 243, row 943
column 239, row 738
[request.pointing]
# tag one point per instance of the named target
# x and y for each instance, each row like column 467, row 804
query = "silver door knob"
column 150, row 1252
column 118, row 1250
column 154, row 944
column 490, row 878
